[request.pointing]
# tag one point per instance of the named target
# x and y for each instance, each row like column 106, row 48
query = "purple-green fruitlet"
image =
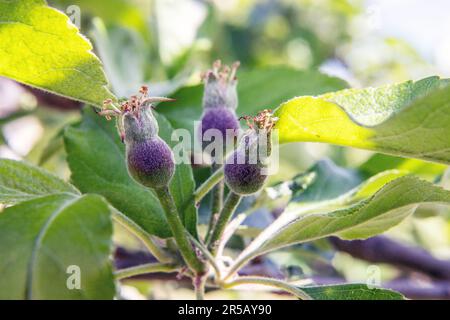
column 220, row 101
column 245, row 168
column 150, row 160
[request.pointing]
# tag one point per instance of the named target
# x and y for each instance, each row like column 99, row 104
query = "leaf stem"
column 145, row 268
column 225, row 215
column 240, row 261
column 146, row 238
column 275, row 283
column 209, row 184
column 229, row 231
column 207, row 255
column 178, row 231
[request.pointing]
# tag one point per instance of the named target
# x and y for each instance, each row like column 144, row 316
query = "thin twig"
column 381, row 249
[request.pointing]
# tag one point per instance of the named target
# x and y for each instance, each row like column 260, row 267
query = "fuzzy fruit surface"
column 150, row 162
column 245, row 169
column 244, row 178
column 221, row 119
column 242, row 175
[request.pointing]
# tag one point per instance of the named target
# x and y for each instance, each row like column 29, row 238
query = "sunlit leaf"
column 39, row 46
column 411, row 119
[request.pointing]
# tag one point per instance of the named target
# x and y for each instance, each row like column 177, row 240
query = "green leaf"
column 351, row 292
column 324, row 181
column 96, row 158
column 382, row 162
column 368, row 210
column 20, row 181
column 42, row 242
column 257, row 89
column 40, row 47
column 411, row 119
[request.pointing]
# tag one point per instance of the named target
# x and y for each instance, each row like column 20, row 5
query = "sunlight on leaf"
column 410, row 119
column 39, row 46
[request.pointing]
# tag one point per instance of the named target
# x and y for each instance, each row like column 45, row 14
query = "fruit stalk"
column 178, row 231
column 225, row 215
column 216, row 201
column 206, row 186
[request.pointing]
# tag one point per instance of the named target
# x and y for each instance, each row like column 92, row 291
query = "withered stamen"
column 110, row 109
column 263, row 120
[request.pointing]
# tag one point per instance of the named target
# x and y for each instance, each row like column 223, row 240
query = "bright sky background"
column 425, row 24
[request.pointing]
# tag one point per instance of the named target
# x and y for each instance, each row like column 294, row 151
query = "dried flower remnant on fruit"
column 244, row 169
column 265, row 120
column 220, row 86
column 150, row 160
column 132, row 106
